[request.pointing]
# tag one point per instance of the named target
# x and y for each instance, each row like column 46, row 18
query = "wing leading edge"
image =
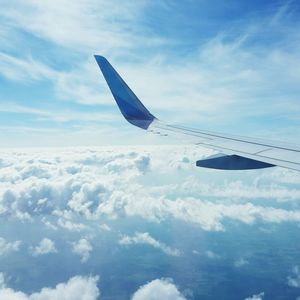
column 237, row 153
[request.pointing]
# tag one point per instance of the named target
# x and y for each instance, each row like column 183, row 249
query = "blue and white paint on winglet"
column 129, row 104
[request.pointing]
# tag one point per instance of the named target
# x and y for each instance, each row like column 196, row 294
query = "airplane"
column 235, row 152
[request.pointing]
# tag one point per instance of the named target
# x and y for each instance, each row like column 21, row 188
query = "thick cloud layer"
column 154, row 184
column 69, row 212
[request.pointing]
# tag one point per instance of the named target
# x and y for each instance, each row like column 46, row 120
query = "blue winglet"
column 129, row 104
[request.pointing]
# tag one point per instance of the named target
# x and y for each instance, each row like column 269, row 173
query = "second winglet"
column 129, row 104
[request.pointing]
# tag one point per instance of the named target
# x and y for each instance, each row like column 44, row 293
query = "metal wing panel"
column 257, row 149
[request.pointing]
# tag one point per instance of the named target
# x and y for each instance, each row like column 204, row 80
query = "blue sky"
column 141, row 220
column 228, row 66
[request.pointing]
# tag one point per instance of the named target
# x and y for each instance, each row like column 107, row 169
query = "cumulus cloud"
column 55, row 184
column 78, row 189
column 238, row 189
column 208, row 215
column 259, row 296
column 76, row 186
column 294, row 279
column 146, row 239
column 83, row 248
column 45, row 246
column 8, row 247
column 158, row 289
column 76, row 288
column 69, row 225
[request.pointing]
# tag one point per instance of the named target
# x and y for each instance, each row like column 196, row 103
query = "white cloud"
column 294, row 279
column 83, row 26
column 54, row 115
column 80, row 188
column 259, row 296
column 7, row 247
column 77, row 186
column 158, row 289
column 49, row 224
column 212, row 255
column 77, row 288
column 83, row 248
column 24, row 69
column 69, row 225
column 208, row 215
column 238, row 189
column 146, row 239
column 241, row 262
column 86, row 28
column 45, row 246
column 104, row 227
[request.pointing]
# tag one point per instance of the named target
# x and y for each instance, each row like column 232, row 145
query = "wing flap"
column 231, row 162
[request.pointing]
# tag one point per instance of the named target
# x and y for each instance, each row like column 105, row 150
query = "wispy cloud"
column 293, row 280
column 241, row 263
column 57, row 116
column 24, row 69
column 83, row 26
column 146, row 239
column 228, row 76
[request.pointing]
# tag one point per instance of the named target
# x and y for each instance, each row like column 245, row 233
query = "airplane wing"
column 236, row 152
